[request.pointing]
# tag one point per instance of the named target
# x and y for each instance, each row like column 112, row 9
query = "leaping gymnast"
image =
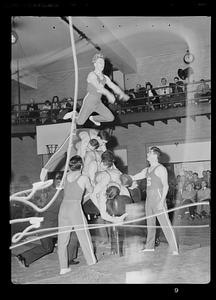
column 95, row 89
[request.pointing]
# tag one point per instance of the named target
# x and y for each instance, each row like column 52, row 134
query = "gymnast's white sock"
column 64, row 271
column 95, row 122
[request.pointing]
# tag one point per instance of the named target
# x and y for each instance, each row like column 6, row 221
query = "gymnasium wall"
column 137, row 139
column 153, row 68
column 25, row 163
column 132, row 142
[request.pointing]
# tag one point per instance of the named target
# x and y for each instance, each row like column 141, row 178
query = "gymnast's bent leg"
column 88, row 107
column 105, row 114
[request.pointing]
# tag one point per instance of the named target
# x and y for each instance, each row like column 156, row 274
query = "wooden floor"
column 192, row 265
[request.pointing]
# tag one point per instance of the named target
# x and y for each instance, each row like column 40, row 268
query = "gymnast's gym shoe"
column 22, row 262
column 95, row 122
column 64, row 271
column 69, row 115
column 157, row 242
column 147, row 250
column 73, row 262
column 175, row 253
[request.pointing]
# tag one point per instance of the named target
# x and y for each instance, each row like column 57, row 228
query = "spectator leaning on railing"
column 153, row 100
column 46, row 112
column 203, row 90
column 55, row 107
column 33, row 112
column 164, row 91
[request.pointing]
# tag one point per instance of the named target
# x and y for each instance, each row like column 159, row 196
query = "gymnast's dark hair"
column 75, row 163
column 108, row 158
column 156, row 150
column 104, row 135
column 112, row 192
column 94, row 143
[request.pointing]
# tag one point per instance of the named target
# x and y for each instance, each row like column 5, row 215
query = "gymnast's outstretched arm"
column 140, row 175
column 116, row 89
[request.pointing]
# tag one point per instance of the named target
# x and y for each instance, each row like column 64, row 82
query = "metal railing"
column 189, row 95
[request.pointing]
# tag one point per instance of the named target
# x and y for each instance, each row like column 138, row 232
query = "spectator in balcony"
column 46, row 112
column 70, row 101
column 14, row 115
column 139, row 93
column 55, row 107
column 152, row 100
column 203, row 194
column 164, row 92
column 33, row 112
column 203, row 90
column 177, row 89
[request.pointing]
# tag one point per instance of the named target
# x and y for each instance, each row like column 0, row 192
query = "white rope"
column 95, row 226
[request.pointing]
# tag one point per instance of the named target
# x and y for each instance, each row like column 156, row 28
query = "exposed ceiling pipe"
column 81, row 34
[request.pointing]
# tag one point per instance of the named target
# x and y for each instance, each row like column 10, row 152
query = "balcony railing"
column 189, row 96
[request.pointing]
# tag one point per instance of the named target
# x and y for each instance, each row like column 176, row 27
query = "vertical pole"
column 18, row 81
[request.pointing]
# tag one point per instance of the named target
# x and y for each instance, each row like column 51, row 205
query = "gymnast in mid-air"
column 95, row 89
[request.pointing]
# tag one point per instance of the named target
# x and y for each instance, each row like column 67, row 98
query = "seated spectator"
column 204, row 175
column 63, row 111
column 208, row 178
column 33, row 112
column 131, row 93
column 55, row 107
column 46, row 112
column 71, row 102
column 14, row 115
column 204, row 194
column 153, row 100
column 164, row 92
column 50, row 220
column 196, row 180
column 137, row 92
column 188, row 197
column 202, row 91
column 177, row 89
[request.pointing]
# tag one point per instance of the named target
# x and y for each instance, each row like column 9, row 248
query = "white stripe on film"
column 87, row 235
column 169, row 223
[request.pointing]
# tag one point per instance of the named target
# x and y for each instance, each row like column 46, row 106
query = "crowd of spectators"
column 190, row 188
column 47, row 112
column 165, row 95
column 142, row 98
column 185, row 189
